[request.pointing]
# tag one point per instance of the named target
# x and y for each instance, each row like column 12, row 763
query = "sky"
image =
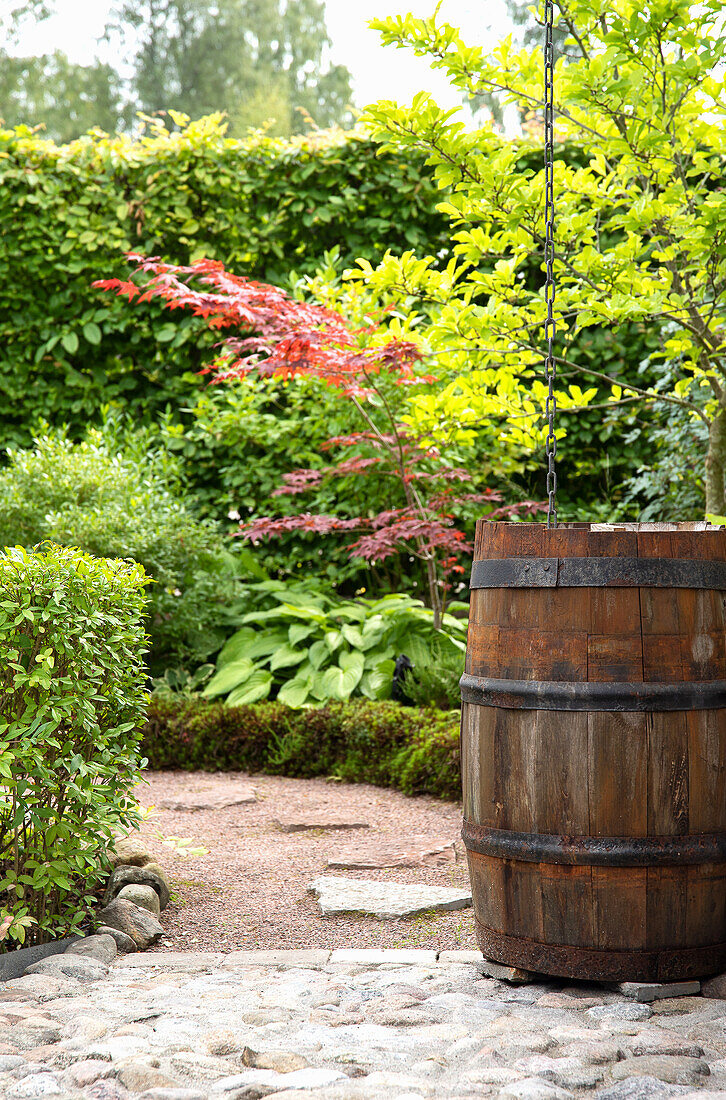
column 377, row 73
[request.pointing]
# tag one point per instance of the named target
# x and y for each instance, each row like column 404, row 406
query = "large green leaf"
column 372, row 632
column 235, row 646
column 353, row 636
column 339, row 683
column 286, row 656
column 349, row 612
column 376, row 683
column 318, row 653
column 333, row 638
column 229, row 677
column 294, row 693
column 299, row 631
column 352, row 662
column 251, row 644
column 310, row 611
column 374, row 657
column 255, row 688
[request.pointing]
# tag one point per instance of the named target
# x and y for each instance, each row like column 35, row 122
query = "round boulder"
column 102, row 949
column 140, row 876
column 144, row 896
column 123, row 942
column 143, row 928
column 129, row 852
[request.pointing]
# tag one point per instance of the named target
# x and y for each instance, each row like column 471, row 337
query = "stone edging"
column 305, row 958
column 124, row 925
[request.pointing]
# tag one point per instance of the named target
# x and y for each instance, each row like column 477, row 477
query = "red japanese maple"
column 273, row 334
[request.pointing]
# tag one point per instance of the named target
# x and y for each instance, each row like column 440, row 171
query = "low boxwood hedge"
column 412, row 749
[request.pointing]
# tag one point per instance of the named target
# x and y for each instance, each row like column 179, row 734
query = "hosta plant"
column 308, row 647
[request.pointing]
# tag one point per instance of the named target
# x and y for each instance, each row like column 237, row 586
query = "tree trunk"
column 434, row 592
column 716, row 465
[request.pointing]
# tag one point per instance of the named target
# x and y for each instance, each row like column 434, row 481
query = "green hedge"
column 72, row 699
column 265, row 207
column 413, row 750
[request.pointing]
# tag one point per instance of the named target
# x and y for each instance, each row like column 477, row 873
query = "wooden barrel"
column 594, row 749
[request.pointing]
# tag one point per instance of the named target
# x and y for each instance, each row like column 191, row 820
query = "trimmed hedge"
column 263, row 206
column 414, row 750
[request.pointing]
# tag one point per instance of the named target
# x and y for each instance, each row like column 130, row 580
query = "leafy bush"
column 120, row 505
column 71, row 702
column 306, row 647
column 415, row 751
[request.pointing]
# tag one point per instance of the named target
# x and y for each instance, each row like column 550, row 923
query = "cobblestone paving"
column 345, row 1025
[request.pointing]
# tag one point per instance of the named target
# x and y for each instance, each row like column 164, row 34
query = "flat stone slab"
column 385, row 900
column 208, row 799
column 303, row 957
column 464, row 957
column 383, row 956
column 301, row 822
column 411, row 852
column 645, row 992
column 502, row 973
column 172, row 960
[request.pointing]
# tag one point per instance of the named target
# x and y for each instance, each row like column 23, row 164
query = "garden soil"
column 252, row 888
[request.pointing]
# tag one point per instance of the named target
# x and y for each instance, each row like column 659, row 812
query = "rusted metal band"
column 569, row 961
column 615, row 572
column 595, row 851
column 589, row 695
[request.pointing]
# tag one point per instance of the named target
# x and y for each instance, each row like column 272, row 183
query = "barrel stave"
column 706, row 771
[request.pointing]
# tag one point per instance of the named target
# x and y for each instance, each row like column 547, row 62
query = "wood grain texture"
column 600, row 774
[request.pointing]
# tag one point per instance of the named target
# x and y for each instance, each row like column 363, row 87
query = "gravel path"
column 251, row 890
column 317, row 1025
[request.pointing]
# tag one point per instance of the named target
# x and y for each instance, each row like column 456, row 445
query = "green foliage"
column 263, row 207
column 640, row 214
column 120, row 504
column 72, row 700
column 416, row 751
column 435, row 682
column 306, row 647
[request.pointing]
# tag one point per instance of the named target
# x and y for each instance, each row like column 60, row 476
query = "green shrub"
column 415, row 751
column 118, row 505
column 72, row 700
column 306, row 647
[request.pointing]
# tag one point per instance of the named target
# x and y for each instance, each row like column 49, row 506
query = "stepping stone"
column 413, row 852
column 302, row 822
column 644, row 992
column 385, row 900
column 209, row 799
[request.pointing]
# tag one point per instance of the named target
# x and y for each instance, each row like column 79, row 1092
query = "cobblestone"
column 347, row 1025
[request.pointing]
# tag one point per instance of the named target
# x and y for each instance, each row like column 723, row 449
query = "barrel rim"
column 685, row 526
column 595, row 851
column 593, row 695
column 598, row 572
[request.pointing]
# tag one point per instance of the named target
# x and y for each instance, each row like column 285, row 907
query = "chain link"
column 549, row 255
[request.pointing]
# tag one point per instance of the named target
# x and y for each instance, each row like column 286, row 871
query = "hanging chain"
column 549, row 255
